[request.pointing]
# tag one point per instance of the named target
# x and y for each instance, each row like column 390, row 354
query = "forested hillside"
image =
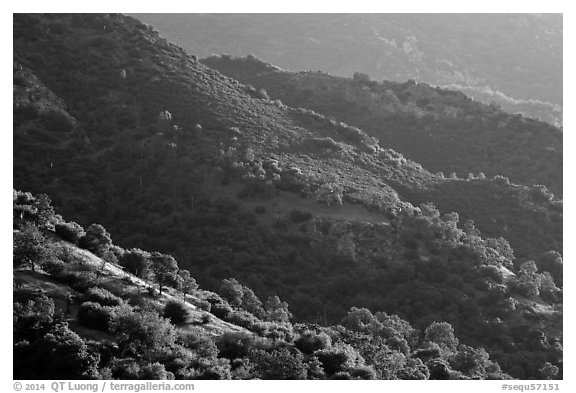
column 103, row 312
column 441, row 129
column 122, row 128
column 514, row 60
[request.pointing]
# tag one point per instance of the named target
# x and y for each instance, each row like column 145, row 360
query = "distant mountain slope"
column 441, row 129
column 512, row 59
column 171, row 155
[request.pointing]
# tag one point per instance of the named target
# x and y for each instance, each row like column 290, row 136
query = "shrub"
column 176, row 312
column 199, row 341
column 54, row 267
column 242, row 318
column 278, row 364
column 274, row 331
column 143, row 334
column 525, row 286
column 30, row 248
column 413, row 369
column 439, row 369
column 33, row 313
column 362, row 372
column 69, row 231
column 441, row 333
column 79, row 280
column 102, row 296
column 144, row 303
column 470, row 361
column 96, row 240
column 309, row 342
column 94, row 316
column 60, row 353
column 221, row 310
column 153, row 371
column 333, row 360
column 234, row 345
column 130, row 369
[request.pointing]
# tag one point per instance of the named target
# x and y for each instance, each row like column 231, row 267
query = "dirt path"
column 216, row 326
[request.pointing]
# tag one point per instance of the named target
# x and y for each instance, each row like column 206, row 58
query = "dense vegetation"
column 102, row 324
column 121, row 128
column 441, row 129
column 514, row 60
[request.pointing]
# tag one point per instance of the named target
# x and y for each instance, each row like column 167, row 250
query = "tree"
column 339, row 357
column 330, row 193
column 96, row 240
column 528, row 268
column 189, row 284
column 165, row 270
column 278, row 364
column 240, row 296
column 69, row 357
column 277, row 310
column 251, row 303
column 527, row 282
column 361, row 319
column 314, row 369
column 33, row 314
column 362, row 372
column 441, row 333
column 308, row 342
column 142, row 334
column 136, row 262
column 548, row 289
column 30, row 247
column 155, row 371
column 232, row 291
column 234, row 345
column 413, row 369
column 549, row 371
column 471, row 361
column 551, row 262
column 45, row 216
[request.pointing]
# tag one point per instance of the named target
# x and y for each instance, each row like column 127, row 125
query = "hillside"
column 441, row 129
column 130, row 314
column 122, row 128
column 514, row 60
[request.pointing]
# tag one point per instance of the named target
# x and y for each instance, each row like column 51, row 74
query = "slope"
column 161, row 144
column 111, row 325
column 441, row 129
column 514, row 60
